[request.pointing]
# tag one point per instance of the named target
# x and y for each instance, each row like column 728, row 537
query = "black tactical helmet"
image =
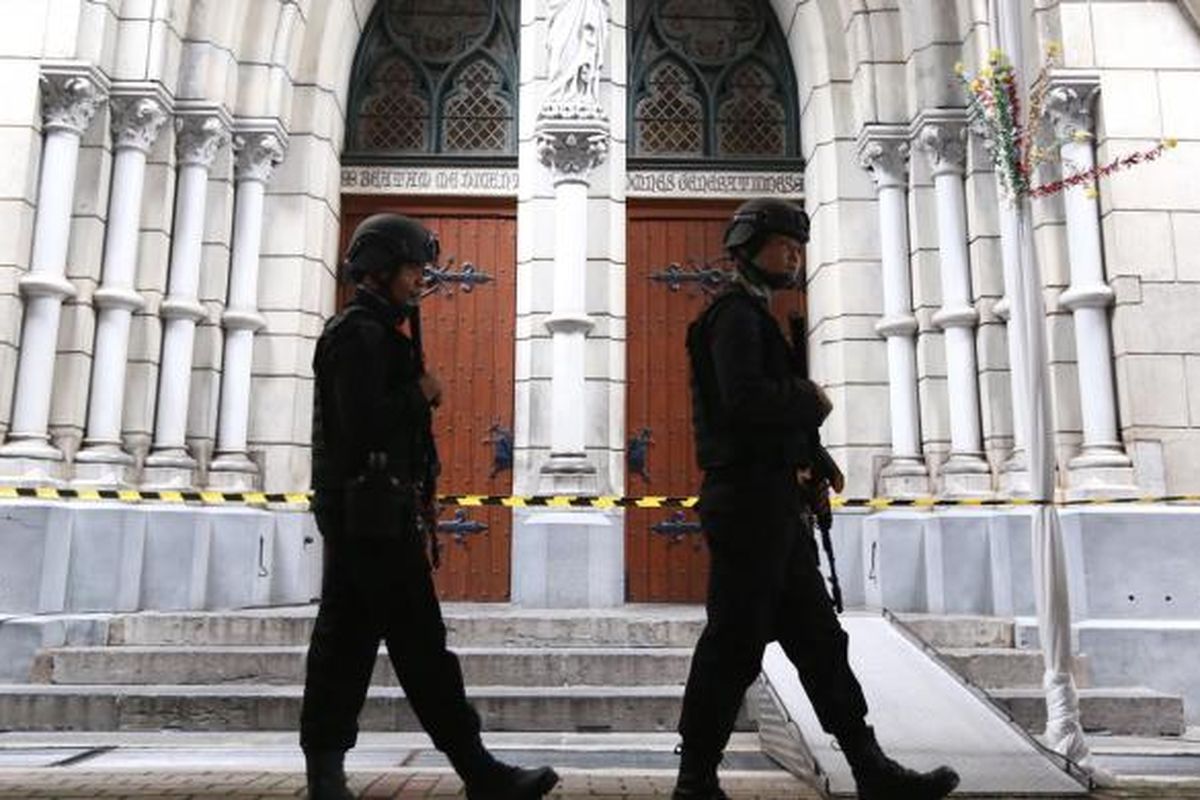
column 399, row 239
column 756, row 219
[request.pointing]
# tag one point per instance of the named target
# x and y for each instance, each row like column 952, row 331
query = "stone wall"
column 289, row 62
column 1148, row 58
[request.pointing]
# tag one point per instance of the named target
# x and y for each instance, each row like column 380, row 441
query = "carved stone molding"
column 258, row 152
column 198, row 137
column 883, row 151
column 136, row 120
column 1068, row 104
column 70, row 98
column 572, row 147
column 942, row 135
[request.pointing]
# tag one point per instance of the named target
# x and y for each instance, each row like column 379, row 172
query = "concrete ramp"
column 922, row 713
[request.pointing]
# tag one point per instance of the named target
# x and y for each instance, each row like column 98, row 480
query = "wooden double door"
column 675, row 265
column 469, row 322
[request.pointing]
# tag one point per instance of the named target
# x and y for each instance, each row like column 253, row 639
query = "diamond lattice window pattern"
column 395, row 116
column 436, row 78
column 670, row 117
column 750, row 121
column 476, row 119
column 711, row 79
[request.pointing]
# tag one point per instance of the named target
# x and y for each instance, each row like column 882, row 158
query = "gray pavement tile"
column 29, row 757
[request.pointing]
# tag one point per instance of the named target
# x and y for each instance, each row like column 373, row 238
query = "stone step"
column 484, row 625
column 283, row 665
column 1119, row 711
column 943, row 631
column 1002, row 667
column 226, row 708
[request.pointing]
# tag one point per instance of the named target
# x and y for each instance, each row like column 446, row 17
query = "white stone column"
column 883, row 151
column 572, row 140
column 1102, row 467
column 138, row 113
column 199, row 134
column 258, row 151
column 941, row 134
column 70, row 97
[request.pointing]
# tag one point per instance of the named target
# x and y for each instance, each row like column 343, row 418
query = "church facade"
column 181, row 176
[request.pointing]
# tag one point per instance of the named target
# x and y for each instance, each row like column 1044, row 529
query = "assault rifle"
column 825, row 471
column 427, row 501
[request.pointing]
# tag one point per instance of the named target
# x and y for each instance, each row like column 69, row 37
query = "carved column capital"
column 258, row 152
column 1068, row 104
column 198, row 137
column 70, row 98
column 883, row 151
column 572, row 146
column 942, row 135
column 137, row 118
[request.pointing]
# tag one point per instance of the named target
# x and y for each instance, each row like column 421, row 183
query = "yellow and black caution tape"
column 166, row 496
column 214, row 498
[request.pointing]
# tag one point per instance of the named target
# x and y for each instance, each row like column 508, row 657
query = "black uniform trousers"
column 372, row 589
column 765, row 585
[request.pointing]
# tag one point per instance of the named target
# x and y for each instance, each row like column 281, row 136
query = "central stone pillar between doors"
column 570, row 558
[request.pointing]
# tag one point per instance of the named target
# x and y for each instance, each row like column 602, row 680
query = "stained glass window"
column 711, row 79
column 435, row 80
column 671, row 114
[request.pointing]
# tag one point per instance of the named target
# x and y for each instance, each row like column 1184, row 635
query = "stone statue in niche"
column 576, row 43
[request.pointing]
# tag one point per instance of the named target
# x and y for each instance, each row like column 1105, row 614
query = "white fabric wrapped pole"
column 1064, row 731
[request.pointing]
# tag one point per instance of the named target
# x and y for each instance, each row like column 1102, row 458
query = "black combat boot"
column 698, row 777
column 485, row 778
column 880, row 778
column 326, row 775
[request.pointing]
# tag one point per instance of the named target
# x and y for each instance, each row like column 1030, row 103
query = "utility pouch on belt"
column 379, row 504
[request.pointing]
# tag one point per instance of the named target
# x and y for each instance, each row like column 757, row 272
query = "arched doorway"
column 432, row 102
column 712, row 107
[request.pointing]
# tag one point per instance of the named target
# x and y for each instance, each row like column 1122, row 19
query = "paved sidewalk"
column 248, row 767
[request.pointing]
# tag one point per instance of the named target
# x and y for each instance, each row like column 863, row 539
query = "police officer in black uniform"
column 755, row 421
column 373, row 465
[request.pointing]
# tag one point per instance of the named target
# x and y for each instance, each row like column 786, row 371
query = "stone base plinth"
column 32, row 462
column 568, row 559
column 904, row 478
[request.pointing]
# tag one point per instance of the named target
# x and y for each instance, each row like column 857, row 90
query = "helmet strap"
column 760, row 277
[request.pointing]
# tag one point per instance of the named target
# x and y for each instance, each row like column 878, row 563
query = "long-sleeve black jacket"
column 749, row 406
column 368, row 399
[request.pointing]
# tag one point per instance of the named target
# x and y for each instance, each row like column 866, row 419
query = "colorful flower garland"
column 995, row 108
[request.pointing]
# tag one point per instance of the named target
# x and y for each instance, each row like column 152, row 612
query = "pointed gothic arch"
column 722, row 66
column 435, row 82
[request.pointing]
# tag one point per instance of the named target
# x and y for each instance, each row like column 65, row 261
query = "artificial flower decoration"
column 1017, row 145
